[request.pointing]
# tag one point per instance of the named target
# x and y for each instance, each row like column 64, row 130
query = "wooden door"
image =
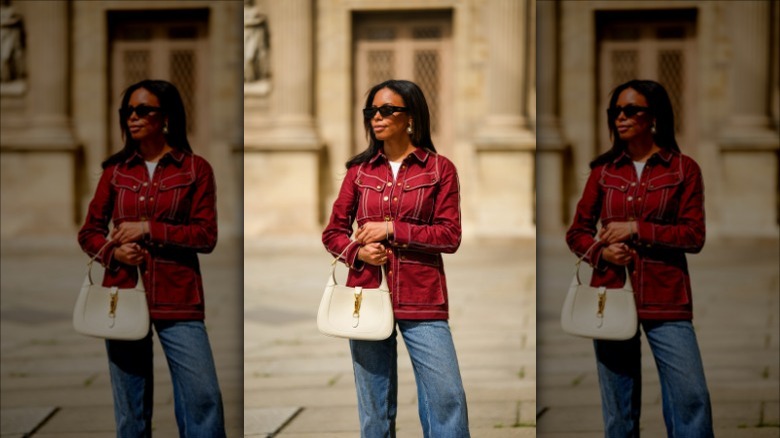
column 655, row 49
column 411, row 46
column 172, row 48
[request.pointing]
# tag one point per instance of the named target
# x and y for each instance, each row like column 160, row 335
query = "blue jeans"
column 441, row 401
column 686, row 400
column 196, row 395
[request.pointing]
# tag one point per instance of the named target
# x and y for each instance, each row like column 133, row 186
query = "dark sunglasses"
column 384, row 110
column 140, row 110
column 628, row 110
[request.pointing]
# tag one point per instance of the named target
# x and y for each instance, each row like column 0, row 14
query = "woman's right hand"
column 130, row 254
column 373, row 254
column 617, row 253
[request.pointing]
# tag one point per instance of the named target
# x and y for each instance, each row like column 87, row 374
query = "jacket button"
column 386, row 198
column 395, row 199
column 378, row 187
column 146, row 184
column 141, row 198
column 389, row 183
column 633, row 184
column 389, row 272
column 359, row 181
column 630, row 198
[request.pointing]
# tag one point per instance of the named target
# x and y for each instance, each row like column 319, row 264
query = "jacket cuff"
column 402, row 235
column 645, row 234
column 109, row 262
column 598, row 262
column 158, row 233
column 351, row 258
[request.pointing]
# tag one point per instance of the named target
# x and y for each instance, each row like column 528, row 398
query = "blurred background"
column 719, row 62
column 63, row 67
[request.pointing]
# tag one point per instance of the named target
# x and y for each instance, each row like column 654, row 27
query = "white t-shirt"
column 151, row 165
column 395, row 167
column 639, row 166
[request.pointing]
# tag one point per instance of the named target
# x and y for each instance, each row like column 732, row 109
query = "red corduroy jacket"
column 667, row 203
column 180, row 204
column 424, row 205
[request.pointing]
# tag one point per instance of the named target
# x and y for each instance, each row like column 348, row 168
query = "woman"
column 649, row 199
column 405, row 199
column 160, row 198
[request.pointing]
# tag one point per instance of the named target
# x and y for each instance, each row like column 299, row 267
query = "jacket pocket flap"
column 419, row 258
column 178, row 180
column 666, row 180
column 126, row 182
column 614, row 182
column 370, row 182
column 421, row 180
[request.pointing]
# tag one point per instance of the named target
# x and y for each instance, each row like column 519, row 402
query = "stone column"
column 550, row 145
column 292, row 57
column 41, row 143
column 282, row 160
column 749, row 79
column 505, row 145
column 748, row 143
column 47, row 104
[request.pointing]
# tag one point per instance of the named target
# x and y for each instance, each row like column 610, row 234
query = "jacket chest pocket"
column 127, row 189
column 418, row 197
column 662, row 200
column 370, row 188
column 614, row 189
column 174, row 198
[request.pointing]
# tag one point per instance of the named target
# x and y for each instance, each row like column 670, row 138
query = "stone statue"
column 11, row 44
column 257, row 56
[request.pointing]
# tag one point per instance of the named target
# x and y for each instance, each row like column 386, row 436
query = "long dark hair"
column 417, row 108
column 172, row 107
column 660, row 108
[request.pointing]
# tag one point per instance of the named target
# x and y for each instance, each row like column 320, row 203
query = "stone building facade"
column 61, row 87
column 718, row 60
column 310, row 63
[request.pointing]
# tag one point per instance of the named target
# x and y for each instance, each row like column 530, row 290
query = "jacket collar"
column 175, row 156
column 664, row 156
column 420, row 154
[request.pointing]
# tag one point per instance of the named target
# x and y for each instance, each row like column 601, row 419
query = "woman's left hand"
column 615, row 232
column 371, row 232
column 129, row 232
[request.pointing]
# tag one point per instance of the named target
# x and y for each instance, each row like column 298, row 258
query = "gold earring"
column 409, row 129
column 652, row 129
column 165, row 129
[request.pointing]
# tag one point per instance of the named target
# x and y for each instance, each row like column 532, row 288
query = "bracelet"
column 387, row 230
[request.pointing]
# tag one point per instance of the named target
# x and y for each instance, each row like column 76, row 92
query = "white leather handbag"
column 599, row 312
column 111, row 312
column 355, row 312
